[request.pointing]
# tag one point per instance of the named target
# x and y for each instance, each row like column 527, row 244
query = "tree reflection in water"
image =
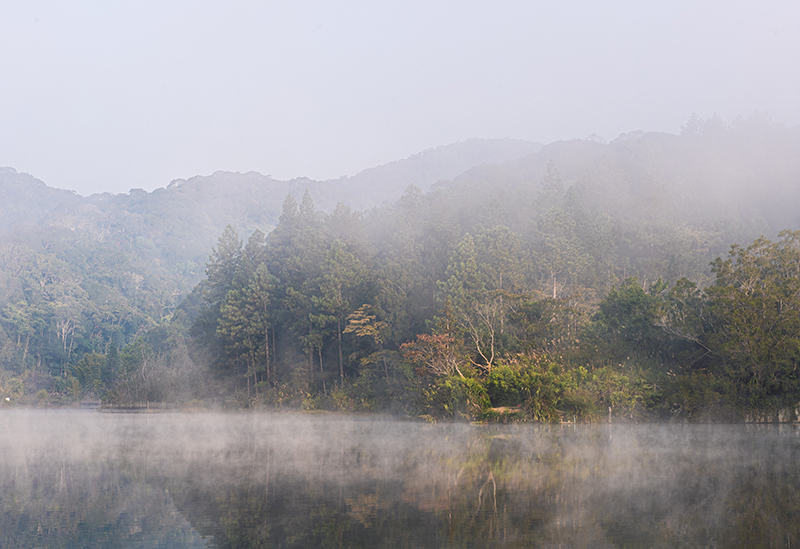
column 80, row 479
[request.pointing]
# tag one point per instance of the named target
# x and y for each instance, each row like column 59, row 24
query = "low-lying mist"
column 224, row 480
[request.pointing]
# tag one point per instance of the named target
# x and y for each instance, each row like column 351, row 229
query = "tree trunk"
column 310, row 375
column 502, row 316
column 322, row 372
column 274, row 347
column 266, row 350
column 25, row 352
column 255, row 380
column 341, row 364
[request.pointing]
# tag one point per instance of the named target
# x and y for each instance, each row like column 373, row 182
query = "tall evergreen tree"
column 223, row 266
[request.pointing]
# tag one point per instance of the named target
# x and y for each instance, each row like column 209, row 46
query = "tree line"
column 510, row 292
column 403, row 310
column 399, row 312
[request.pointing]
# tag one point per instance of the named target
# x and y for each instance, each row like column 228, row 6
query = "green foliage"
column 486, row 281
column 629, row 315
column 89, row 373
column 581, row 404
column 755, row 303
column 11, row 390
column 537, row 386
column 246, row 316
column 626, row 396
column 488, row 355
column 543, row 325
column 700, row 396
column 224, row 265
column 507, row 386
column 455, row 397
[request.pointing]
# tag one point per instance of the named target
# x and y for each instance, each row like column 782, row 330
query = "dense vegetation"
column 82, row 275
column 583, row 281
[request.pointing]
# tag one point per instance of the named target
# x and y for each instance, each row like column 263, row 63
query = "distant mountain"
column 671, row 203
column 25, row 200
column 386, row 183
column 179, row 224
column 747, row 174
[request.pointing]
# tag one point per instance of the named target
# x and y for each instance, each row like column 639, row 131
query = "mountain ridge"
column 179, row 224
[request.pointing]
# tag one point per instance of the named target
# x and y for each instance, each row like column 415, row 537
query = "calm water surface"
column 88, row 479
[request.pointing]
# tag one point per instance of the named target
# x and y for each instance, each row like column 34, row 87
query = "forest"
column 653, row 278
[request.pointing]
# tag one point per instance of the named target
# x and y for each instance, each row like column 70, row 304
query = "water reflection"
column 84, row 479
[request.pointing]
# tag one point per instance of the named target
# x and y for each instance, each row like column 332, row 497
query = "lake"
column 90, row 479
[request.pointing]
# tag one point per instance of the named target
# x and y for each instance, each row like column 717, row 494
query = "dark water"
column 86, row 479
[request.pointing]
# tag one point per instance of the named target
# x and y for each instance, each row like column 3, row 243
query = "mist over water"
column 82, row 479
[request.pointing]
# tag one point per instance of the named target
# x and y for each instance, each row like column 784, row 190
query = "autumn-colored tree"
column 364, row 325
column 434, row 354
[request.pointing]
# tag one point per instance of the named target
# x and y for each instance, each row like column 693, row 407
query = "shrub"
column 455, row 397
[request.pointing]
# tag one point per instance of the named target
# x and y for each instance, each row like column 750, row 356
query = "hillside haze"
column 126, row 260
column 182, row 221
column 567, row 224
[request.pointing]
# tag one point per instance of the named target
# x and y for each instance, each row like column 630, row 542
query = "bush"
column 581, row 404
column 505, row 386
column 700, row 396
column 455, row 397
column 538, row 386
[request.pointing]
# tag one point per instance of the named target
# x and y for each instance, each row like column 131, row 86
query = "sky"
column 111, row 95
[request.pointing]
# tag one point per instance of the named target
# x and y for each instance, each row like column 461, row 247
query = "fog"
column 178, row 480
column 102, row 97
column 541, row 261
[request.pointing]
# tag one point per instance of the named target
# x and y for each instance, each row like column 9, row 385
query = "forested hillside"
column 79, row 274
column 578, row 281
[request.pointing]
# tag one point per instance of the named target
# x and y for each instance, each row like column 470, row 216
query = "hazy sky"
column 110, row 95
